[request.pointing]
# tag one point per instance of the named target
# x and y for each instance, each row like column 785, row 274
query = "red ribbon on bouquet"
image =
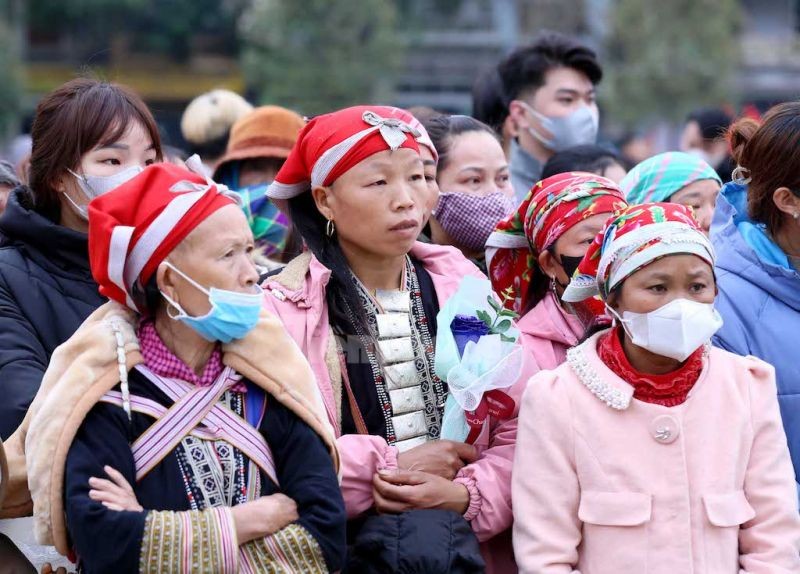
column 495, row 403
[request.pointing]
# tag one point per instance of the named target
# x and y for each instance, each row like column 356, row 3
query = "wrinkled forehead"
column 226, row 226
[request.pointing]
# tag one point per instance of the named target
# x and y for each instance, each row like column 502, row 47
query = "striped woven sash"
column 196, row 411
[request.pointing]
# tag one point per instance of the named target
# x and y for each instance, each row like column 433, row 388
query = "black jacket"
column 46, row 291
column 429, row 541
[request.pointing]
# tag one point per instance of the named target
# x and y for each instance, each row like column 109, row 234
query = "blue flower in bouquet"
column 466, row 328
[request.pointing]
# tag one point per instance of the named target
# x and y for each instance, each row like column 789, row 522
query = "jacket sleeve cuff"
column 389, row 458
column 475, row 498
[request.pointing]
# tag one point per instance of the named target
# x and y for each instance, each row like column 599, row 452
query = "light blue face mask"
column 577, row 128
column 232, row 316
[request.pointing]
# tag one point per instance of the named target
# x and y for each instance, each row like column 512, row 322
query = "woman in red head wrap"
column 534, row 253
column 180, row 429
column 362, row 305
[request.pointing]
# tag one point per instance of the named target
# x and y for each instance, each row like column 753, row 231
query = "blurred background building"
column 662, row 59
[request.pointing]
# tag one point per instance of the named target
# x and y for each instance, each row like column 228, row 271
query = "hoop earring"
column 330, row 228
column 740, row 175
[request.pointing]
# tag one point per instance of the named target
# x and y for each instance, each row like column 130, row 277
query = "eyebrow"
column 388, row 164
column 659, row 277
column 122, row 146
column 587, row 226
column 428, row 162
column 380, row 164
column 698, row 273
column 662, row 276
column 471, row 168
column 572, row 92
column 224, row 242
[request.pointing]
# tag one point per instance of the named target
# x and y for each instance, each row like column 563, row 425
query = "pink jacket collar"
column 446, row 265
column 547, row 320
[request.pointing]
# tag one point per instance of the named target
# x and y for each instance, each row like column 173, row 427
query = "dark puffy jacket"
column 429, row 541
column 46, row 291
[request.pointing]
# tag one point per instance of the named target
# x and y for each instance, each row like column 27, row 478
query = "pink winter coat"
column 547, row 331
column 604, row 483
column 297, row 296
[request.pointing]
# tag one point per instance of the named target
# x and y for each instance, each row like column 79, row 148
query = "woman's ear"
column 548, row 264
column 323, row 199
column 787, row 202
column 165, row 281
column 60, row 181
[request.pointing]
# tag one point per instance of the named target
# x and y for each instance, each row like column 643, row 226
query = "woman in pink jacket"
column 534, row 252
column 362, row 305
column 649, row 451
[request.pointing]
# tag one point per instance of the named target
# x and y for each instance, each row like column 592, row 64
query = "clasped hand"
column 424, row 479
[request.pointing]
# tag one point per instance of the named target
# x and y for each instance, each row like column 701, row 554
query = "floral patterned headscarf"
column 552, row 207
column 635, row 237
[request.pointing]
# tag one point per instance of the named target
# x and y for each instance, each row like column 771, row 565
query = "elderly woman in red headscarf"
column 362, row 304
column 534, row 252
column 180, row 429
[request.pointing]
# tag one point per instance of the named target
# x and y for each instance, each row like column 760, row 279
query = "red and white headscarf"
column 632, row 239
column 552, row 207
column 134, row 227
column 332, row 144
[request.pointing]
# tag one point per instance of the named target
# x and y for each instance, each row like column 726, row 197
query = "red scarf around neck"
column 669, row 389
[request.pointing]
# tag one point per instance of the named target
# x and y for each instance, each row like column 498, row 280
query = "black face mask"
column 570, row 264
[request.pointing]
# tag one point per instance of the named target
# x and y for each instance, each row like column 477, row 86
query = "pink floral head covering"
column 552, row 207
column 632, row 239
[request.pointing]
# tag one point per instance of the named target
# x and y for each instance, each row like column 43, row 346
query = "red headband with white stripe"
column 134, row 227
column 331, row 144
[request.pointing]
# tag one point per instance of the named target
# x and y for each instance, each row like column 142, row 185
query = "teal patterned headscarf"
column 269, row 225
column 660, row 177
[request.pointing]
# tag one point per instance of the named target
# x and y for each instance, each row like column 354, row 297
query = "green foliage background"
column 319, row 55
column 663, row 59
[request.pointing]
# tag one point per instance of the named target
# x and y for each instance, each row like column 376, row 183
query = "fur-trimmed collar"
column 85, row 367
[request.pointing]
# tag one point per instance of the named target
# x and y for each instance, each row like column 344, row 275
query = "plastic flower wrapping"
column 478, row 356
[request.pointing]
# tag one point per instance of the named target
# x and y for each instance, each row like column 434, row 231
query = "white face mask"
column 577, row 128
column 675, row 330
column 96, row 185
column 711, row 159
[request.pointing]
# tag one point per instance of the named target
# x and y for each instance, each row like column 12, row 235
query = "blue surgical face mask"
column 232, row 316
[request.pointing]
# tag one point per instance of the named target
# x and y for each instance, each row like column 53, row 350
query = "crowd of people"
column 386, row 340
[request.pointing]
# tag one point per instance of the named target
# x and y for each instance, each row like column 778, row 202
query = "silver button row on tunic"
column 402, row 379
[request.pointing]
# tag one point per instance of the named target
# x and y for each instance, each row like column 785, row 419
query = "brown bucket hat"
column 267, row 131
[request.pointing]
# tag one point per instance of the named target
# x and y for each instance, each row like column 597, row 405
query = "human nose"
column 405, row 197
column 704, row 217
column 250, row 273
